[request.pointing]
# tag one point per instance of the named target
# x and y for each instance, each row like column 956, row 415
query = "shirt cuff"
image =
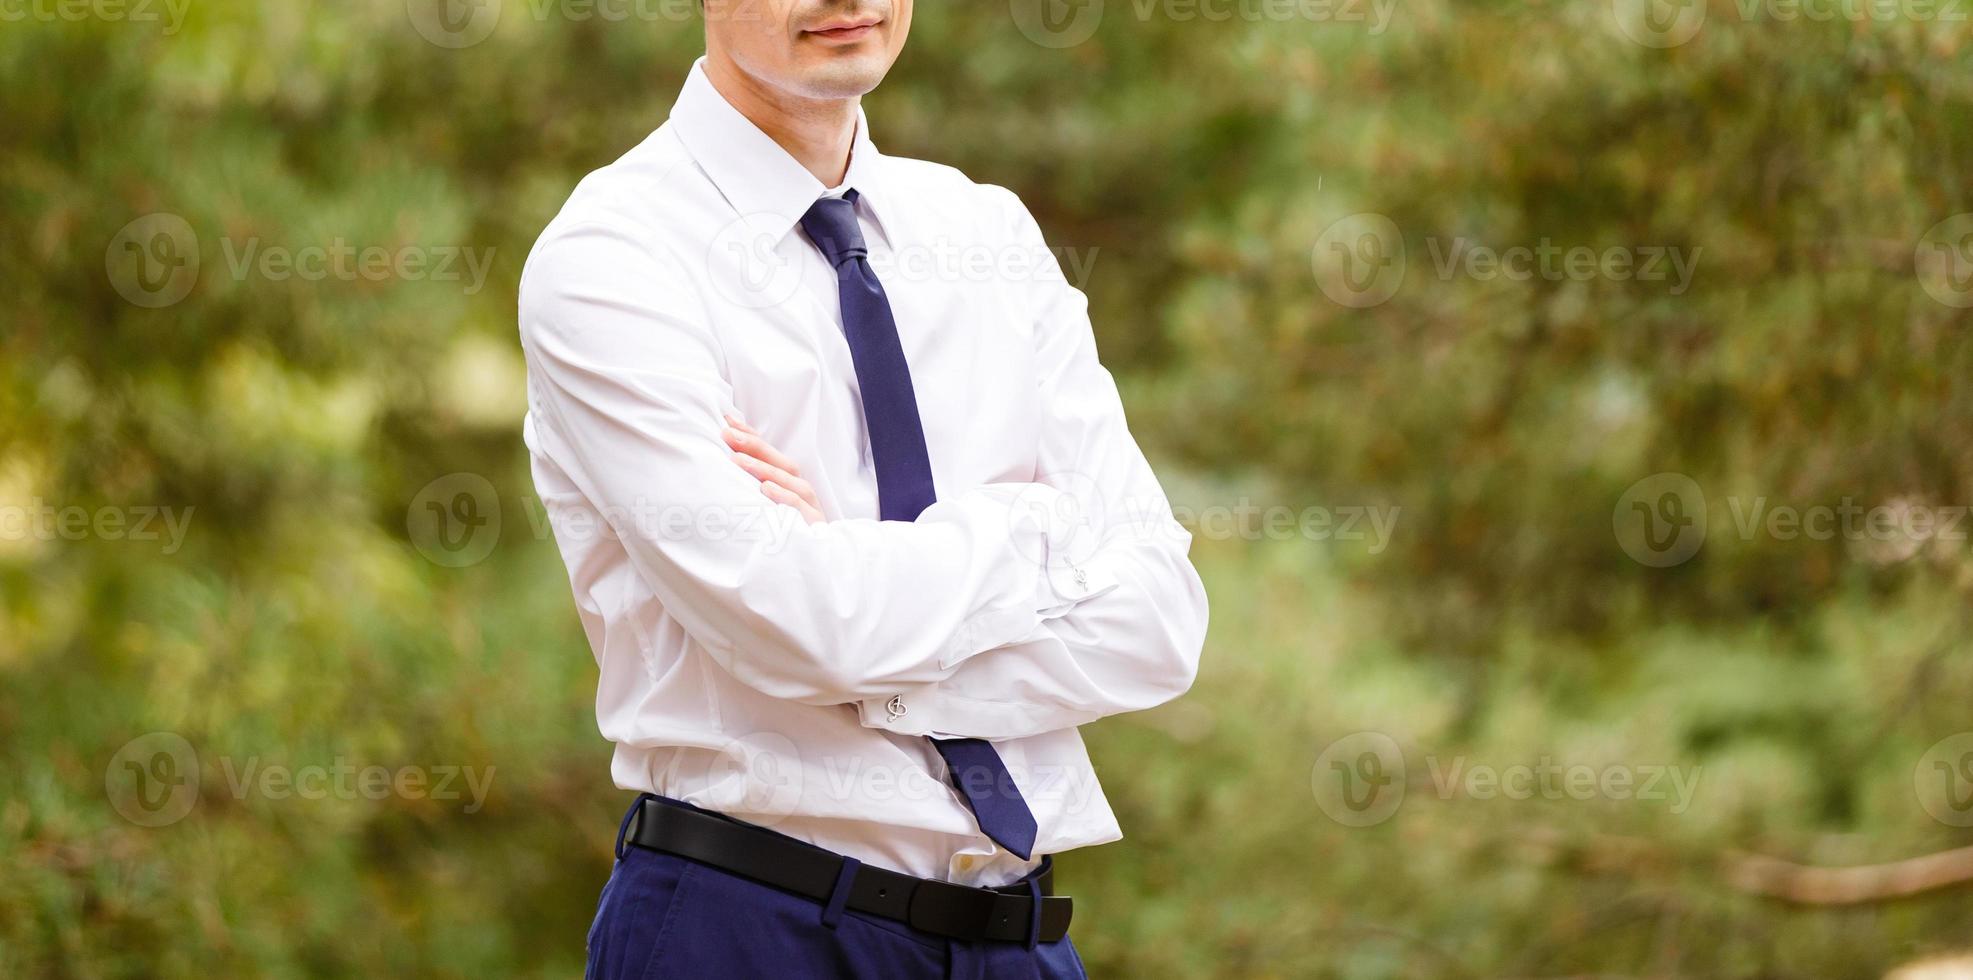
column 902, row 714
column 1053, row 542
column 937, row 711
column 936, row 714
column 1069, row 582
column 1073, row 570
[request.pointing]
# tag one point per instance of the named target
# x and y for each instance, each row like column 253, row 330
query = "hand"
column 780, row 479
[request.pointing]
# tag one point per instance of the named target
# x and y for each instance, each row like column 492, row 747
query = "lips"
column 845, row 29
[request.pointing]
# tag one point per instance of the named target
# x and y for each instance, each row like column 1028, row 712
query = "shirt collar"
column 755, row 175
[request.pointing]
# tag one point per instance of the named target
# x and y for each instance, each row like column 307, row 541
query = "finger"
column 753, row 445
column 742, row 425
column 781, row 495
column 769, row 473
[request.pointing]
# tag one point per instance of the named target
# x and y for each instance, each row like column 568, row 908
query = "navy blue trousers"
column 667, row 916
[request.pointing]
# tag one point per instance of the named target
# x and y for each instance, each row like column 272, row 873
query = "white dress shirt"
column 787, row 673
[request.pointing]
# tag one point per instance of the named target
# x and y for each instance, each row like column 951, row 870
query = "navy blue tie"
column 904, row 481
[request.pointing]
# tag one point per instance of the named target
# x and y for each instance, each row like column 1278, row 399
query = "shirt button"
column 965, row 862
column 895, row 707
column 1082, row 580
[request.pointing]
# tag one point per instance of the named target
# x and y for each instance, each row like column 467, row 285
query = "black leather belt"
column 941, row 907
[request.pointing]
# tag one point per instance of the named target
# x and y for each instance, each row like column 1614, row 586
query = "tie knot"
column 831, row 225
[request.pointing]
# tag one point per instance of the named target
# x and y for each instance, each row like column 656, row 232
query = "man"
column 854, row 525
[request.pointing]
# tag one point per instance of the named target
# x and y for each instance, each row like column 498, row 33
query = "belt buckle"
column 963, row 912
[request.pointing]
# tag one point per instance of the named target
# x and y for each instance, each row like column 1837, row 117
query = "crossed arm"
column 1005, row 610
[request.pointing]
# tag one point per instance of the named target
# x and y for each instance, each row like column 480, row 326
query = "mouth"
column 845, row 30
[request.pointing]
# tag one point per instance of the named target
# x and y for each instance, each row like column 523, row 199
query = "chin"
column 843, row 77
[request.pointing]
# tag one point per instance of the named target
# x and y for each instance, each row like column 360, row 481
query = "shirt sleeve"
column 626, row 395
column 1132, row 643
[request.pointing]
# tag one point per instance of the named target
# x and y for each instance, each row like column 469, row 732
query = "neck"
column 816, row 132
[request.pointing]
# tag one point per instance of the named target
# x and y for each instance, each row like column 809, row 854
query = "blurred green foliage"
column 1800, row 162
